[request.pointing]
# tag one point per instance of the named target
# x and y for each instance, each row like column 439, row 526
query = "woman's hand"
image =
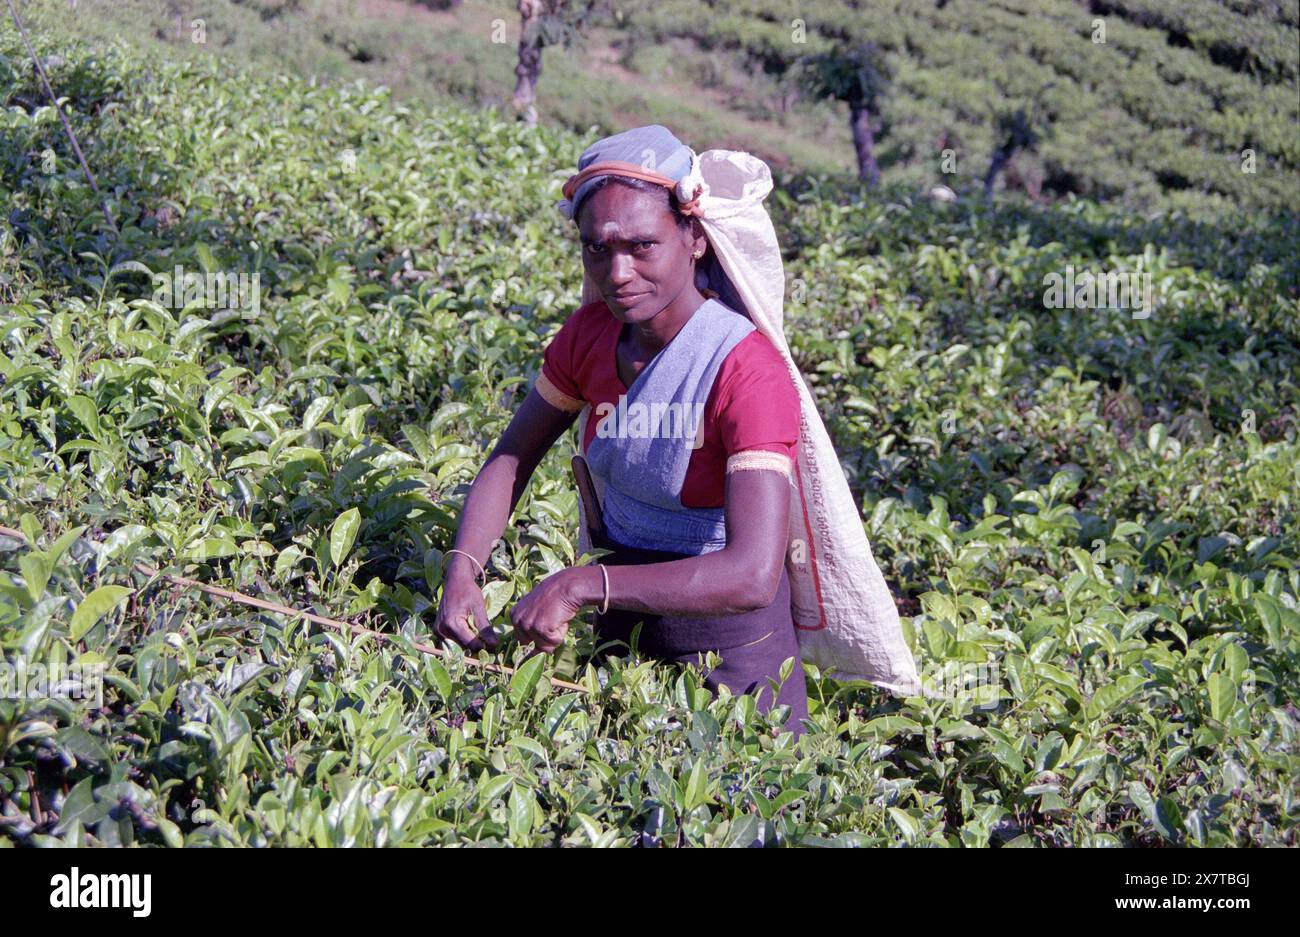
column 496, row 490
column 462, row 614
column 542, row 616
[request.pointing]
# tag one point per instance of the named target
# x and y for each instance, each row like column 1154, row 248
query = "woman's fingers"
column 545, row 642
column 462, row 617
column 465, row 624
column 526, row 632
column 550, row 639
column 455, row 626
column 487, row 634
column 537, row 623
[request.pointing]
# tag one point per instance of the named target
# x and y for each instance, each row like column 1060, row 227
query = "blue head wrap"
column 651, row 153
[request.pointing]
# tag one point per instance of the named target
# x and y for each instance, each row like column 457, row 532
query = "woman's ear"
column 699, row 241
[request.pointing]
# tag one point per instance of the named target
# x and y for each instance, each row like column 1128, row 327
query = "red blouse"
column 751, row 418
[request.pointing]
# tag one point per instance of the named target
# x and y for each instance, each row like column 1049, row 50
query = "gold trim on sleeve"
column 556, row 397
column 759, row 459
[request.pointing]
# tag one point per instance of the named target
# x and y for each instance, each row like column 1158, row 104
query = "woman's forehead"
column 616, row 231
column 623, row 222
column 620, row 203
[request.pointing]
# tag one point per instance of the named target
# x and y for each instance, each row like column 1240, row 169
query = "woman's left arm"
column 742, row 576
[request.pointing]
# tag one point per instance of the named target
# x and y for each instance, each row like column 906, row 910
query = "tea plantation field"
column 1097, row 507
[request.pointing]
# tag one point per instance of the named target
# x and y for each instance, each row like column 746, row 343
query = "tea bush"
column 1096, row 508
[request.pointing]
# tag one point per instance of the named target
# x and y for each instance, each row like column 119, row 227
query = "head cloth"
column 650, row 153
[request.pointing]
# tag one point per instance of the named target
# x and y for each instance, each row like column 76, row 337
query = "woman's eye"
column 640, row 246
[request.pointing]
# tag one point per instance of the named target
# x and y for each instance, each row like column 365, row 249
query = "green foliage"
column 1187, row 105
column 1101, row 507
column 562, row 22
column 859, row 75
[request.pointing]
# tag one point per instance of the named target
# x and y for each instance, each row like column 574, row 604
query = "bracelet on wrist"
column 477, row 565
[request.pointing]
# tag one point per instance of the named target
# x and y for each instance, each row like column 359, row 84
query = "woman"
column 698, row 419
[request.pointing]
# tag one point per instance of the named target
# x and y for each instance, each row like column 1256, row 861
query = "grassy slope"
column 1103, row 506
column 1158, row 114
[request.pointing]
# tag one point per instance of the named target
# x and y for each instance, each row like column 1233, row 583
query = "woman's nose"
column 620, row 268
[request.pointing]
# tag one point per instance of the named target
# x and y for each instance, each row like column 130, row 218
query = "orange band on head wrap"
column 618, row 168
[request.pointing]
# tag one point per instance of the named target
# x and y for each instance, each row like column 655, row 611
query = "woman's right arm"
column 497, row 488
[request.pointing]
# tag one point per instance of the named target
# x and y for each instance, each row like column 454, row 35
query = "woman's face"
column 634, row 252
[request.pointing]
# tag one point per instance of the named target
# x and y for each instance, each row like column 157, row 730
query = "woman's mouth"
column 625, row 299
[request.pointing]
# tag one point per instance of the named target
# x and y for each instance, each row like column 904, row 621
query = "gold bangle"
column 476, row 563
column 604, row 605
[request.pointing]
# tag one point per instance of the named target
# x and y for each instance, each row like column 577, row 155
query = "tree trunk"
column 529, row 69
column 996, row 165
column 860, row 123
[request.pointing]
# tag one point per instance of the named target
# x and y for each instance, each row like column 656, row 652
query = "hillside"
column 1153, row 109
column 1097, row 508
column 1143, row 101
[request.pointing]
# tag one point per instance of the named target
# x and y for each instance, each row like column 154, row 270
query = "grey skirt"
column 752, row 645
